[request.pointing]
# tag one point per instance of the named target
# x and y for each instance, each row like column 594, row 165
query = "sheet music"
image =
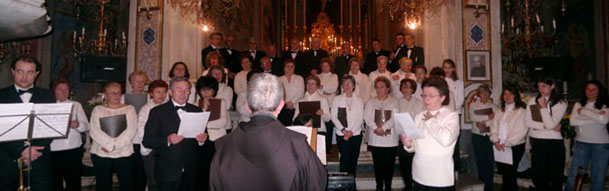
column 303, row 130
column 11, row 115
column 406, row 126
column 321, row 149
column 192, row 123
column 58, row 123
column 503, row 156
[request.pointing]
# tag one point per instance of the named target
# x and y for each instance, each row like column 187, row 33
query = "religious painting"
column 478, row 65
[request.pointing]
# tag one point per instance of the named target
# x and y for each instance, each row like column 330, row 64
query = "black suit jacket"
column 276, row 66
column 256, row 63
column 231, row 59
column 417, row 56
column 11, row 151
column 370, row 63
column 163, row 120
column 312, row 60
column 341, row 65
column 299, row 61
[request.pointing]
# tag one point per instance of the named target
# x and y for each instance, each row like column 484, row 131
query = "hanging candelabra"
column 101, row 44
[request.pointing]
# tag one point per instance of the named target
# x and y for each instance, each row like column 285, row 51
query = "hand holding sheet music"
column 406, row 126
column 193, row 123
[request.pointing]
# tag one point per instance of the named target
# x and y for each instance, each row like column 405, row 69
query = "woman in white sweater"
column 362, row 82
column 312, row 83
column 402, row 73
column 547, row 147
column 508, row 131
column 482, row 113
column 66, row 154
column 432, row 166
column 413, row 106
column 454, row 83
column 590, row 116
column 382, row 137
column 158, row 93
column 240, row 83
column 349, row 132
column 329, row 80
column 293, row 87
column 108, row 153
column 381, row 64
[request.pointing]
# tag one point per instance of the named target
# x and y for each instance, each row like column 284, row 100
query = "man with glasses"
column 253, row 51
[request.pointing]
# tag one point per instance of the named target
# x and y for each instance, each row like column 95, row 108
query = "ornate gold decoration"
column 206, row 12
column 410, row 11
column 325, row 29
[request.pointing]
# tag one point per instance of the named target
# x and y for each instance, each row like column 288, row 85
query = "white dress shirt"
column 545, row 129
column 25, row 97
column 591, row 125
column 354, row 106
column 375, row 74
column 508, row 127
column 323, row 104
column 362, row 86
column 329, row 84
column 432, row 164
column 74, row 139
column 294, row 88
column 120, row 146
column 142, row 118
column 478, row 105
column 395, row 84
column 456, row 86
column 390, row 140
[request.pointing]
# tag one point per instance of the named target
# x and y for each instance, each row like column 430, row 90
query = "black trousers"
column 405, row 166
column 149, row 168
column 384, row 160
column 186, row 182
column 548, row 163
column 286, row 115
column 104, row 167
column 329, row 135
column 510, row 171
column 349, row 153
column 485, row 159
column 207, row 154
column 139, row 174
column 67, row 166
column 420, row 187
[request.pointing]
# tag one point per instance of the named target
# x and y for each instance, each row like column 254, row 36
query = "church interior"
column 493, row 43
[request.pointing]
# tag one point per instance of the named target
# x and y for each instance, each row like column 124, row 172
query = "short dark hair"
column 441, row 85
column 286, row 61
column 245, row 55
column 413, row 84
column 186, row 73
column 375, row 39
column 60, row 80
column 421, row 67
column 399, row 34
column 385, row 80
column 26, row 59
column 215, row 33
column 315, row 78
column 206, row 82
column 409, row 34
column 303, row 119
column 437, row 72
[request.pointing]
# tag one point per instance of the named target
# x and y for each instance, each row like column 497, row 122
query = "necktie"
column 21, row 92
column 180, row 107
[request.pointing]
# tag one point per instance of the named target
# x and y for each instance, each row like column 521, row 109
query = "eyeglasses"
column 429, row 96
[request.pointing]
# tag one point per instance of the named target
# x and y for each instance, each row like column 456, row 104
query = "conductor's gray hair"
column 264, row 93
column 178, row 79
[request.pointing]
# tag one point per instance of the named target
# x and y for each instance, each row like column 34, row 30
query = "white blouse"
column 432, row 164
column 240, row 83
column 375, row 74
column 225, row 93
column 354, row 107
column 413, row 106
column 362, row 86
column 456, row 86
column 241, row 108
column 217, row 128
column 74, row 139
column 591, row 125
column 329, row 85
column 545, row 129
column 390, row 140
column 395, row 84
column 419, row 92
column 323, row 104
column 120, row 146
column 508, row 127
column 478, row 105
column 294, row 89
column 142, row 118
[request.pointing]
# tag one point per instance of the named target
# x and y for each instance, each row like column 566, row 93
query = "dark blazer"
column 256, row 63
column 341, row 65
column 370, row 63
column 276, row 66
column 417, row 56
column 312, row 61
column 170, row 159
column 231, row 59
column 299, row 61
column 11, row 151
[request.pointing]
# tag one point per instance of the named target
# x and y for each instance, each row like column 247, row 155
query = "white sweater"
column 432, row 164
column 362, row 86
column 240, row 83
column 294, row 88
column 591, row 125
column 545, row 129
column 120, row 146
column 141, row 124
column 478, row 105
column 74, row 139
column 514, row 124
column 456, row 87
column 413, row 106
column 390, row 140
column 323, row 104
column 329, row 84
column 354, row 107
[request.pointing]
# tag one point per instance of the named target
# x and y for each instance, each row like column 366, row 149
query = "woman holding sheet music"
column 481, row 112
column 508, row 131
column 432, row 165
column 312, row 95
column 348, row 117
column 383, row 140
column 112, row 143
column 543, row 115
column 218, row 118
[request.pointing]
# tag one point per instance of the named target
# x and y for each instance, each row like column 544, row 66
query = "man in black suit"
column 297, row 55
column 232, row 57
column 267, row 66
column 413, row 52
column 215, row 45
column 313, row 56
column 397, row 53
column 370, row 64
column 177, row 157
column 276, row 61
column 25, row 69
column 341, row 63
column 253, row 51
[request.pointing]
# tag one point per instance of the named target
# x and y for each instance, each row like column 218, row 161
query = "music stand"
column 60, row 111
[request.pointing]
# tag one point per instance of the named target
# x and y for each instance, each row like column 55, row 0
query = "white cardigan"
column 390, row 140
column 120, row 146
column 516, row 130
column 323, row 104
column 432, row 164
column 478, row 105
column 545, row 129
column 355, row 115
column 74, row 139
column 591, row 125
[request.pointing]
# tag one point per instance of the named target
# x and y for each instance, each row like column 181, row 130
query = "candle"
column 541, row 28
column 554, row 23
column 115, row 43
column 124, row 37
column 105, row 32
column 74, row 36
column 512, row 21
column 83, row 30
column 502, row 27
column 517, row 31
column 80, row 41
column 537, row 16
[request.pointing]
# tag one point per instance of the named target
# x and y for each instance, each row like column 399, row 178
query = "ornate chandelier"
column 411, row 11
column 206, row 12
